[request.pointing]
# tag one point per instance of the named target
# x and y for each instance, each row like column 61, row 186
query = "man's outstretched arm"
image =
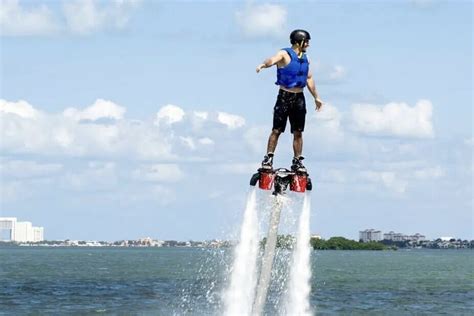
column 271, row 61
column 312, row 88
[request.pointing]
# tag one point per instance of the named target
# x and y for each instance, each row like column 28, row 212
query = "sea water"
column 190, row 281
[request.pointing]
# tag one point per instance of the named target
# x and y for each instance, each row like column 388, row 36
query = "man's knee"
column 297, row 134
column 276, row 132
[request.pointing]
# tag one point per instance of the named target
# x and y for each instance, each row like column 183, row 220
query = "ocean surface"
column 189, row 281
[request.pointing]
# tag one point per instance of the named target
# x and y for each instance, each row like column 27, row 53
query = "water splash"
column 299, row 286
column 267, row 260
column 238, row 298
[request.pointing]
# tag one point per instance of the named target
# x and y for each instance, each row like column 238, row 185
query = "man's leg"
column 267, row 162
column 297, row 143
column 297, row 163
column 273, row 140
column 297, row 120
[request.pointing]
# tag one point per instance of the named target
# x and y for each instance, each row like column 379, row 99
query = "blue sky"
column 144, row 118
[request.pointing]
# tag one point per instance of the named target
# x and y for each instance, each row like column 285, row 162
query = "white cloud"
column 82, row 133
column 158, row 173
column 266, row 20
column 201, row 115
column 328, row 74
column 329, row 115
column 169, row 114
column 388, row 178
column 50, row 134
column 100, row 109
column 63, row 137
column 230, row 120
column 394, row 119
column 81, row 17
column 429, row 173
column 27, row 169
column 87, row 16
column 206, row 141
column 16, row 20
column 20, row 108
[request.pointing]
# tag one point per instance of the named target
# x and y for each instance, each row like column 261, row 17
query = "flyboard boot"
column 297, row 179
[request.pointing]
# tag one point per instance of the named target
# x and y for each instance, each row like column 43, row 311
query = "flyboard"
column 279, row 180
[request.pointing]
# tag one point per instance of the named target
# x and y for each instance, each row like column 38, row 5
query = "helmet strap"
column 301, row 44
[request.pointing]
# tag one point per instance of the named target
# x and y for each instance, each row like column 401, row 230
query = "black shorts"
column 289, row 105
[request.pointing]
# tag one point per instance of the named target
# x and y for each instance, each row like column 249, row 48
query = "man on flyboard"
column 293, row 74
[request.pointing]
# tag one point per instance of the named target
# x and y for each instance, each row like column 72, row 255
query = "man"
column 293, row 75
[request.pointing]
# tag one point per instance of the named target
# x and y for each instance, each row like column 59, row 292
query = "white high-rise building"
column 370, row 235
column 23, row 231
column 12, row 230
column 402, row 237
column 38, row 234
column 7, row 228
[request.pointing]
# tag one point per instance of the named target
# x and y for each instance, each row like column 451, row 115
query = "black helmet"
column 298, row 36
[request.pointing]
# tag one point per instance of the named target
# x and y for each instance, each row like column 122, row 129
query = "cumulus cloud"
column 20, row 108
column 80, row 16
column 17, row 20
column 230, row 120
column 82, row 132
column 169, row 114
column 87, row 16
column 100, row 109
column 394, row 119
column 266, row 20
column 23, row 130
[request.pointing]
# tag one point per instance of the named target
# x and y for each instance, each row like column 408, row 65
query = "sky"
column 125, row 119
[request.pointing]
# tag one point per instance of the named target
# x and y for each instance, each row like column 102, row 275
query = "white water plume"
column 267, row 260
column 238, row 298
column 299, row 286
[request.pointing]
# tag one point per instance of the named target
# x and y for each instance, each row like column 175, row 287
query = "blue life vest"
column 294, row 74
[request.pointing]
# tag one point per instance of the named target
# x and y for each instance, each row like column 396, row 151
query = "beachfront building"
column 13, row 230
column 7, row 228
column 370, row 235
column 392, row 236
column 417, row 237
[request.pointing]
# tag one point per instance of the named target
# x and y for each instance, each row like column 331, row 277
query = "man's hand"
column 260, row 67
column 318, row 103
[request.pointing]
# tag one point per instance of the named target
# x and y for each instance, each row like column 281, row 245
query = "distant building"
column 402, row 237
column 13, row 230
column 417, row 237
column 7, row 228
column 370, row 235
column 38, row 234
column 393, row 236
